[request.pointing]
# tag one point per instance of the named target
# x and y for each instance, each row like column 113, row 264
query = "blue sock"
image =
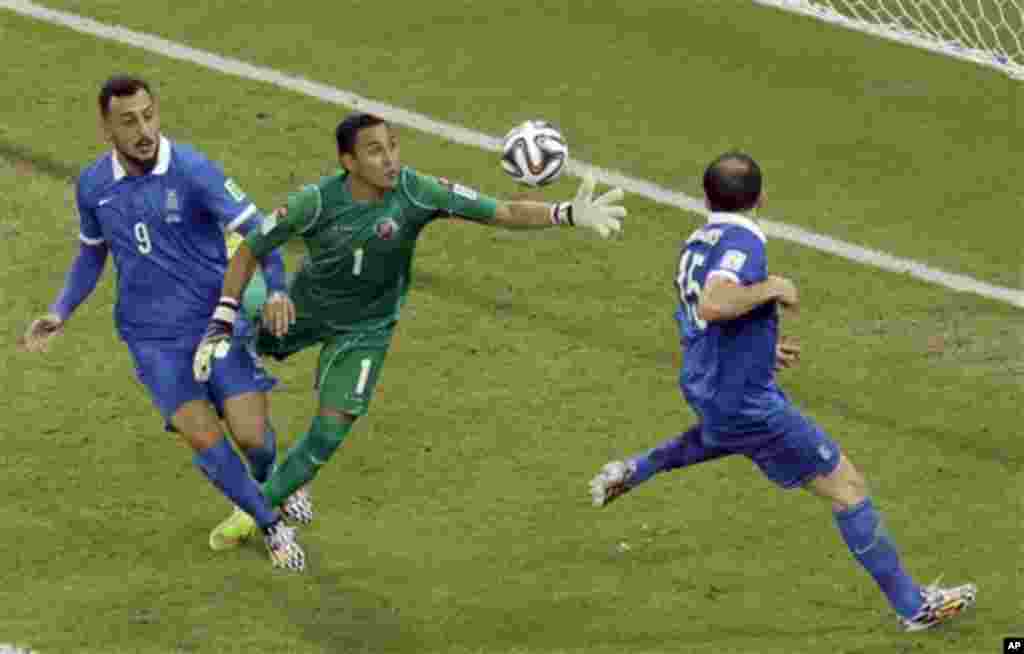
column 261, row 459
column 226, row 471
column 870, row 543
column 686, row 449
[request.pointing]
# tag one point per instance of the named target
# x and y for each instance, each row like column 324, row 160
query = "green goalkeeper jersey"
column 359, row 266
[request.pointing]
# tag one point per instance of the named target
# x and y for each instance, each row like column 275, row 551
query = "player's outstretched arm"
column 603, row 214
column 724, row 299
column 81, row 280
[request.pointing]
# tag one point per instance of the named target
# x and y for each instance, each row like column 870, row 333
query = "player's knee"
column 328, row 412
column 328, row 432
column 852, row 488
column 858, row 485
column 844, row 486
column 247, row 416
column 250, row 431
column 334, row 416
column 198, row 424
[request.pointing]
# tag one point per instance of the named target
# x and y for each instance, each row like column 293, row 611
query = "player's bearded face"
column 132, row 126
column 376, row 159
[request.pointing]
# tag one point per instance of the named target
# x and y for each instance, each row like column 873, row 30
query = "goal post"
column 985, row 32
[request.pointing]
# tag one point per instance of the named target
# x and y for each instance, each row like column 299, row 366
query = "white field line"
column 466, row 136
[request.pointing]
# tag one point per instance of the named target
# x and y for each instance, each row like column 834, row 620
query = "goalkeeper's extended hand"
column 216, row 342
column 600, row 215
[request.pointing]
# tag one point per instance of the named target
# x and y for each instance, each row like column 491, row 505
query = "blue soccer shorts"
column 165, row 368
column 792, row 451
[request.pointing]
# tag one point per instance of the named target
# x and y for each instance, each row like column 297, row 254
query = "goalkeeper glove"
column 600, row 215
column 216, row 342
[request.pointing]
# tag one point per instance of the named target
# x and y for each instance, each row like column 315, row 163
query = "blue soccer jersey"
column 728, row 373
column 166, row 232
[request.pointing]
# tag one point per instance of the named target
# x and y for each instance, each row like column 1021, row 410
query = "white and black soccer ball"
column 534, row 153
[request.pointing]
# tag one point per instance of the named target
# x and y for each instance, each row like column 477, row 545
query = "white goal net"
column 986, row 32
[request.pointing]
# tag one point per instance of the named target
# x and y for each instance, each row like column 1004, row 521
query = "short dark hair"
column 732, row 182
column 348, row 129
column 121, row 86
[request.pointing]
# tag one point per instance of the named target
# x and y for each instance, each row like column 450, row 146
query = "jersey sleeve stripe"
column 90, row 241
column 412, row 198
column 728, row 274
column 319, row 210
column 241, row 218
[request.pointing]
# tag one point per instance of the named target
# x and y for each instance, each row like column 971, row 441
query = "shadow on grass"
column 338, row 616
column 41, row 162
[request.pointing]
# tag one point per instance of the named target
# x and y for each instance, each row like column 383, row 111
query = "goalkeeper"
column 360, row 228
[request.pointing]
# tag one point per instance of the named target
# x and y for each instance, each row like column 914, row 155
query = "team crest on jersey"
column 172, row 206
column 386, row 229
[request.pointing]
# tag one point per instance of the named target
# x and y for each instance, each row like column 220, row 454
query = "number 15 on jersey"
column 689, row 289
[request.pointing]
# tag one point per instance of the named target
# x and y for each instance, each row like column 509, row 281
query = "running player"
column 728, row 323
column 161, row 208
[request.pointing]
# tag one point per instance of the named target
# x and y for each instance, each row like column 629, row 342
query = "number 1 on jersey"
column 357, row 263
column 364, row 375
column 689, row 289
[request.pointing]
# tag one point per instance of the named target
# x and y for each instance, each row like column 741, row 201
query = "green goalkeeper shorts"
column 348, row 370
column 350, row 362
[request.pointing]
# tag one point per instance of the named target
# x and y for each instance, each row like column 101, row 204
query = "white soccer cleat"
column 298, row 508
column 611, row 482
column 940, row 605
column 285, row 552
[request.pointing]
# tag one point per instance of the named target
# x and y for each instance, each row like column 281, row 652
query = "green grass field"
column 456, row 518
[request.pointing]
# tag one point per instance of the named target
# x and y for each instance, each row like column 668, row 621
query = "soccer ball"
column 534, row 153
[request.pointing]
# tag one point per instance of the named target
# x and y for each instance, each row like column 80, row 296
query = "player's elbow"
column 718, row 302
column 710, row 312
column 719, row 306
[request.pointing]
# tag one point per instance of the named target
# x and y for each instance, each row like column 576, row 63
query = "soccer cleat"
column 940, row 605
column 298, row 508
column 285, row 552
column 611, row 482
column 233, row 531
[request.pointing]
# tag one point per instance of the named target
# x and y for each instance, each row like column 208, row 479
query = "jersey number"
column 364, row 375
column 142, row 240
column 689, row 289
column 357, row 263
